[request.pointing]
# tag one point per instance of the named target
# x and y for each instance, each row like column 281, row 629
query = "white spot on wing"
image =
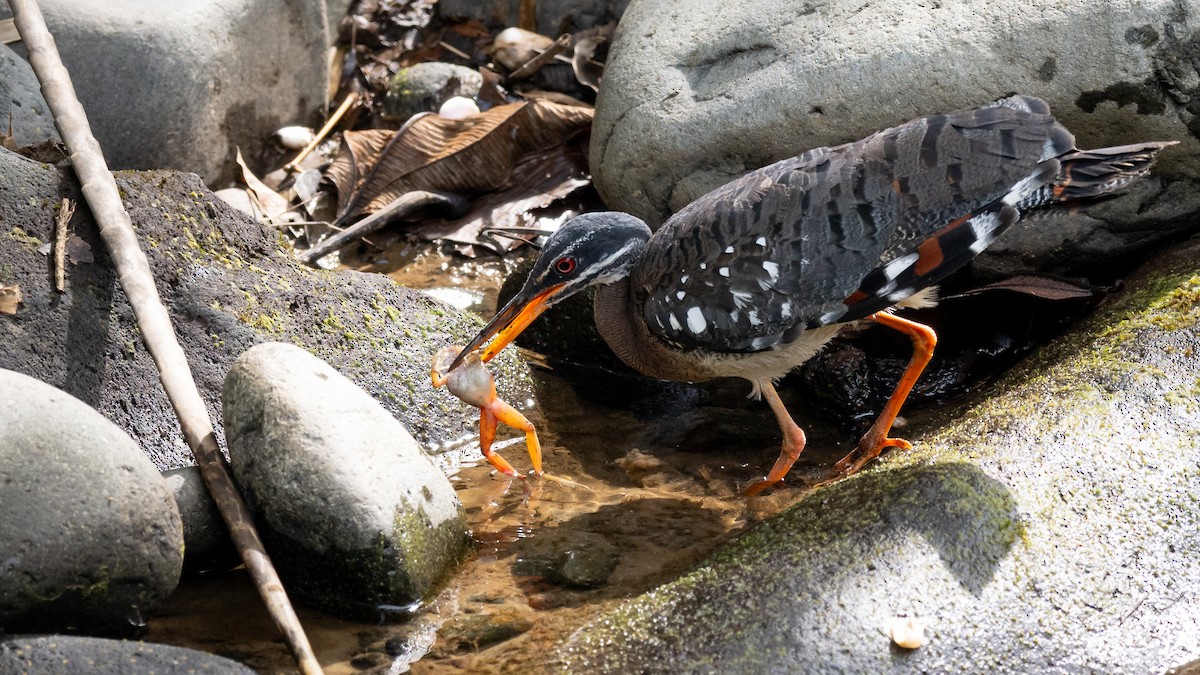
column 674, row 322
column 897, row 266
column 741, row 299
column 680, row 294
column 724, row 271
column 772, row 269
column 983, row 227
column 695, row 320
column 831, row 317
column 785, row 310
column 703, row 266
column 761, row 241
column 729, row 249
column 754, row 320
column 1024, row 187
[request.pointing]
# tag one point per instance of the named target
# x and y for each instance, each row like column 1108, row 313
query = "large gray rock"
column 57, row 654
column 90, row 537
column 21, row 101
column 357, row 518
column 1050, row 528
column 181, row 86
column 697, row 93
column 229, row 283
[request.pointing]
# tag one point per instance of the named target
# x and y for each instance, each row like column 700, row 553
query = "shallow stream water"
column 643, row 474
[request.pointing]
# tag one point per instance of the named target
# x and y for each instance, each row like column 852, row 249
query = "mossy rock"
column 229, row 283
column 1052, row 525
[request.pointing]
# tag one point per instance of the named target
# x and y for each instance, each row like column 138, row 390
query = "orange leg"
column 876, row 438
column 793, row 442
column 509, row 415
column 487, row 434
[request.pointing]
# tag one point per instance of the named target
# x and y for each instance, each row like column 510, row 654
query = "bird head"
column 591, row 249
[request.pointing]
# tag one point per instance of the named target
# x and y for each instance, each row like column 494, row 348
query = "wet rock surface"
column 229, row 283
column 54, row 654
column 359, row 521
column 1052, row 523
column 698, row 93
column 90, row 539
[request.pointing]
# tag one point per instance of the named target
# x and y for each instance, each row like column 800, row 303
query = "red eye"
column 565, row 265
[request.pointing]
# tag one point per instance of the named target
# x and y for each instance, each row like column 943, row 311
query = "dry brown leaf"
column 1039, row 287
column 468, row 156
column 10, row 297
column 270, row 203
column 588, row 68
column 8, row 31
column 537, row 183
column 78, row 250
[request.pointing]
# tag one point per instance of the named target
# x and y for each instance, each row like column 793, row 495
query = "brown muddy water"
column 652, row 478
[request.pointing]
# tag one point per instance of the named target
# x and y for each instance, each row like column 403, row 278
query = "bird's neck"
column 619, row 321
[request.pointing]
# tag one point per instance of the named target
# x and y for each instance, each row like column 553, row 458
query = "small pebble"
column 907, row 632
column 458, row 107
column 295, row 138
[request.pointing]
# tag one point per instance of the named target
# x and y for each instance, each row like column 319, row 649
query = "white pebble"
column 295, row 138
column 458, row 107
column 907, row 632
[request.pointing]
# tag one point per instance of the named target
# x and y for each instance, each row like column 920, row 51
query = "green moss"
column 23, row 237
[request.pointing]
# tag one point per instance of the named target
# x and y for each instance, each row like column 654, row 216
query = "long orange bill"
column 508, row 324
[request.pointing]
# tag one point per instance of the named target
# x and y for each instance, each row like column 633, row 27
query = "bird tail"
column 1087, row 174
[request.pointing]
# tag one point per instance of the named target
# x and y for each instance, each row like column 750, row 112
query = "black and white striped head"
column 591, row 249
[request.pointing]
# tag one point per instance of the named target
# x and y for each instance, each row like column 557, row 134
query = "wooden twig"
column 133, row 270
column 65, row 211
column 400, row 206
column 351, row 99
column 533, row 65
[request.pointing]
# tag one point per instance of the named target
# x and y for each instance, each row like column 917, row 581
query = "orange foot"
column 866, row 451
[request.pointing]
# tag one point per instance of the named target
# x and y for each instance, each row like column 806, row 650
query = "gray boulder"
column 90, row 537
column 1050, row 528
column 21, row 101
column 358, row 519
column 697, row 93
column 56, row 654
column 229, row 284
column 182, row 86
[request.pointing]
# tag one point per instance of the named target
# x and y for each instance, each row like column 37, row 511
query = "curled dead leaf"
column 78, row 250
column 269, row 202
column 10, row 297
column 587, row 64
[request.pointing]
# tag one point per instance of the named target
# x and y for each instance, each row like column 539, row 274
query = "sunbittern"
column 753, row 278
